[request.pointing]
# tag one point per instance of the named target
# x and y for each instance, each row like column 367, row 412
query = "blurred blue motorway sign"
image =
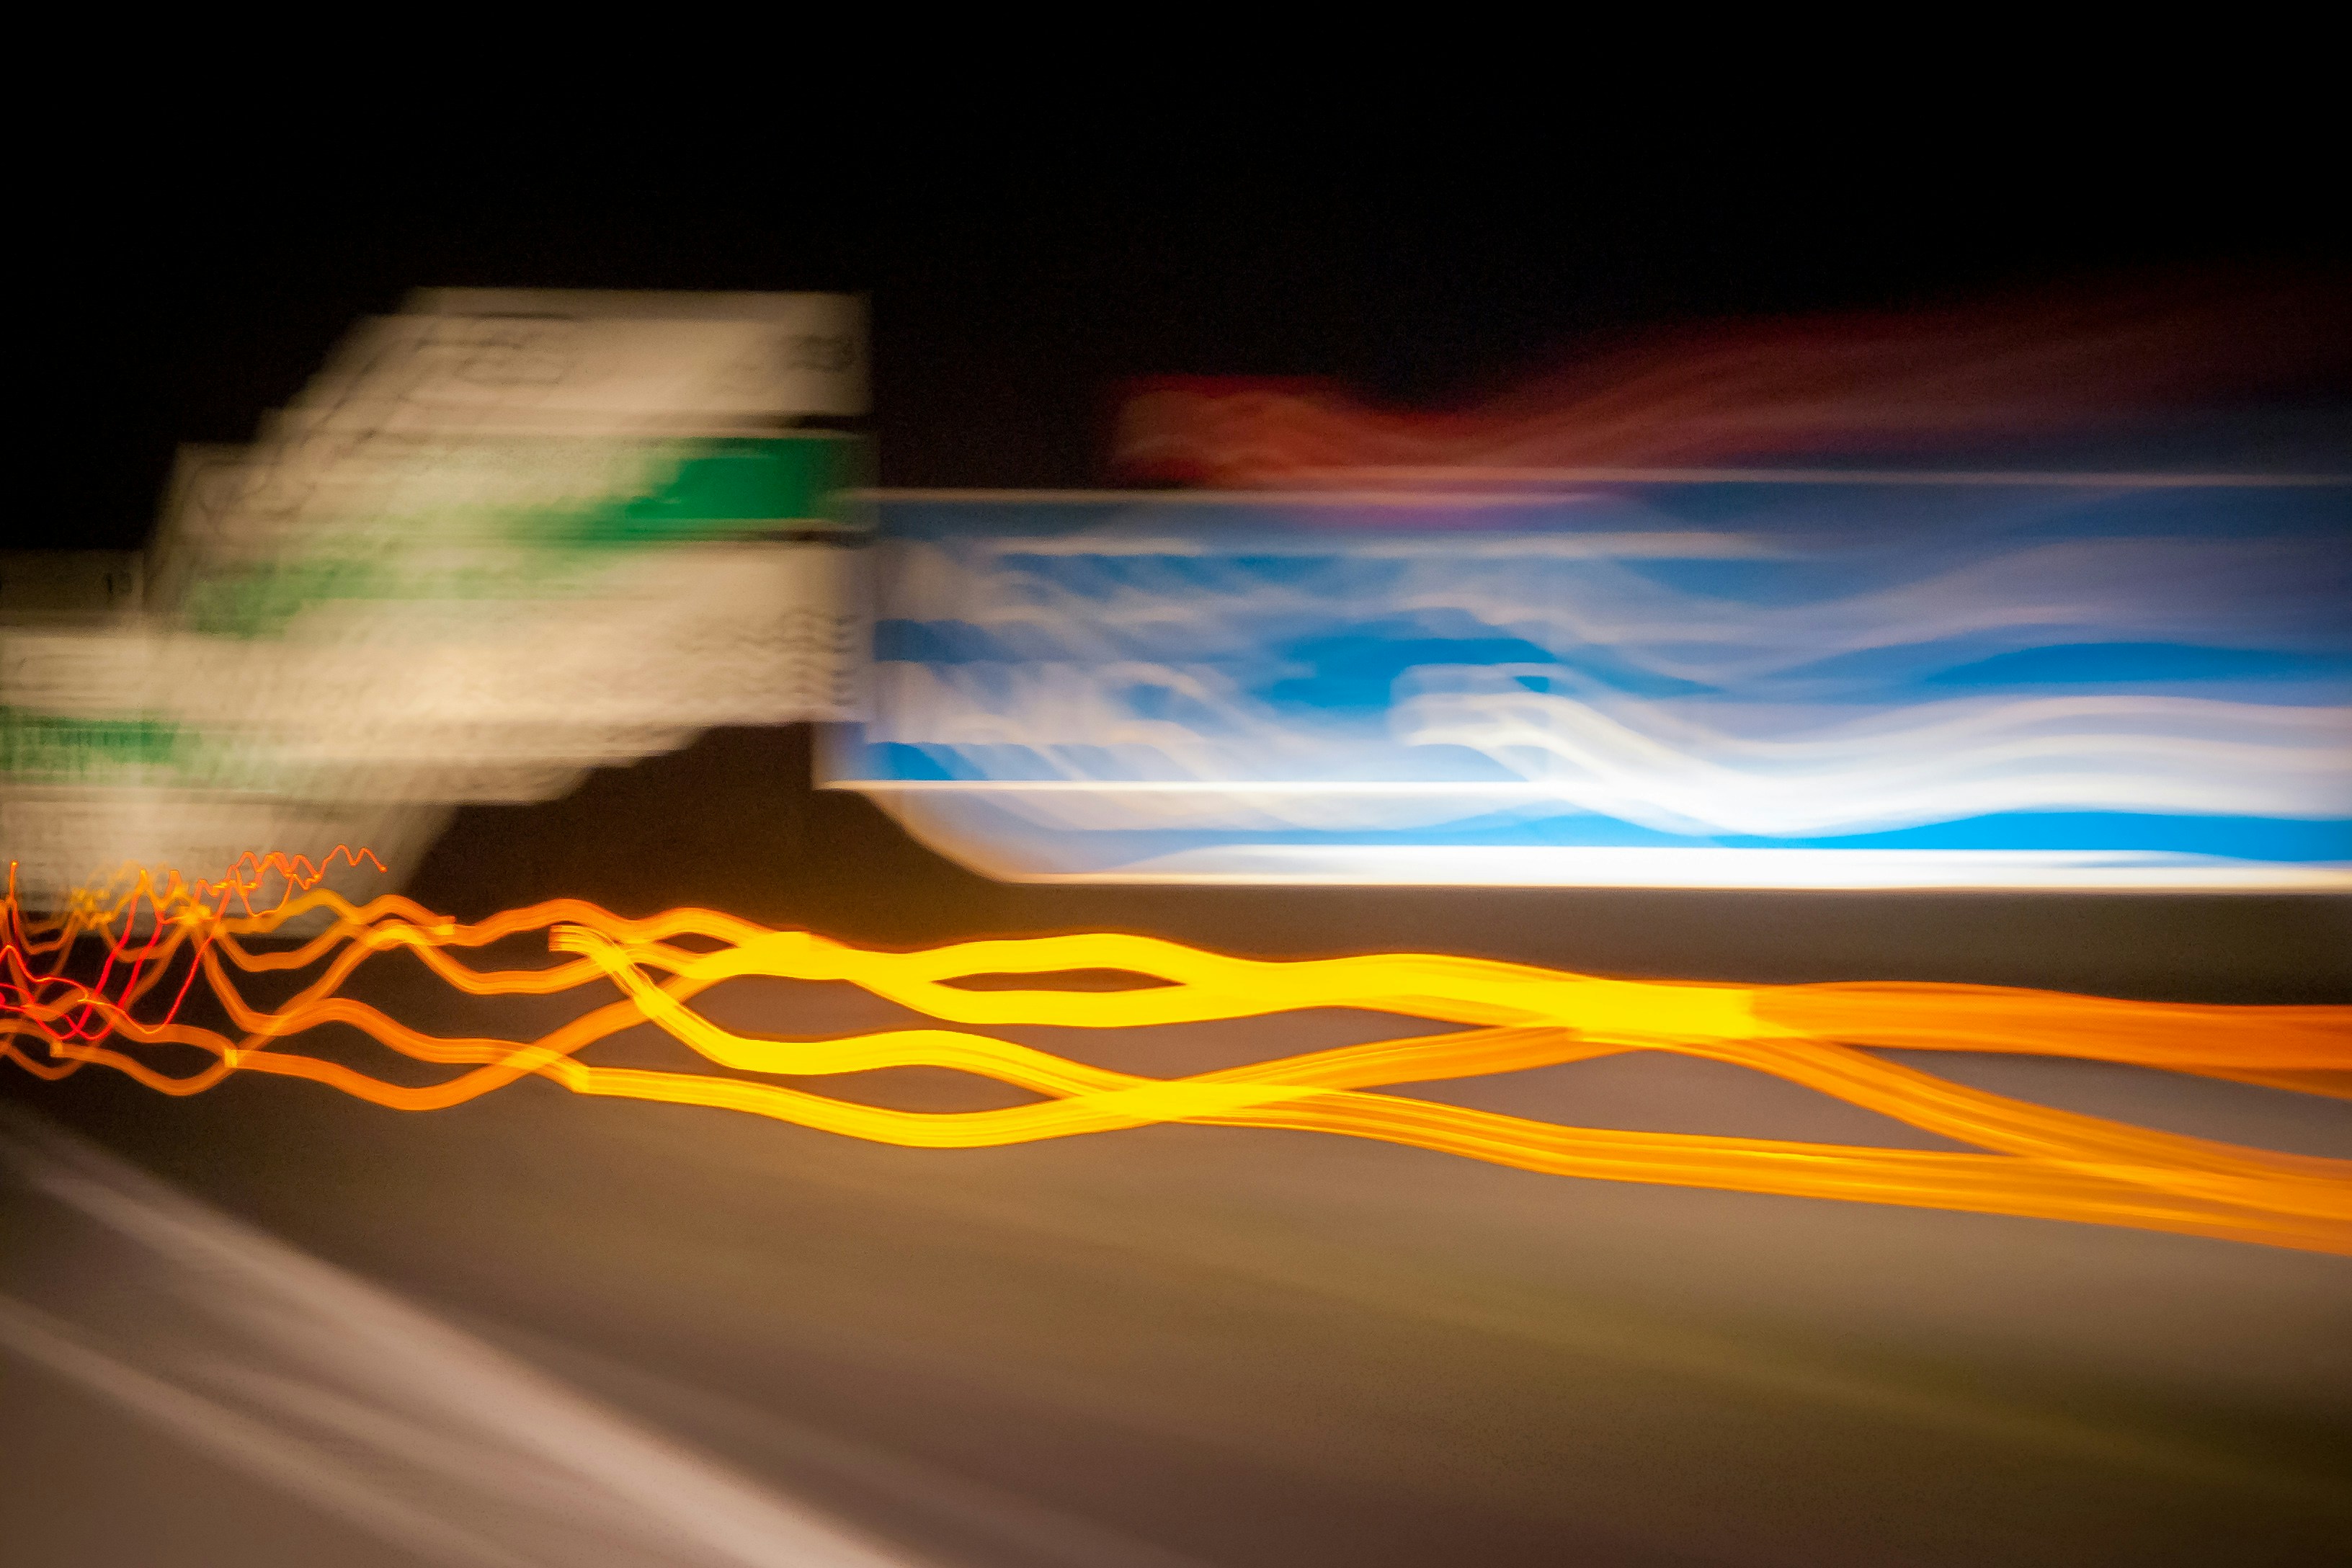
column 1838, row 680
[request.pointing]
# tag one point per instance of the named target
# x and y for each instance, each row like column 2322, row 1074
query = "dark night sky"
column 1015, row 283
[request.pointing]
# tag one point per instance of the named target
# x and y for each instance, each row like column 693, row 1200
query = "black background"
column 1020, row 273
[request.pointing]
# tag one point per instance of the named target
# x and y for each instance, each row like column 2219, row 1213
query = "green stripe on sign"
column 544, row 544
column 45, row 746
column 714, row 484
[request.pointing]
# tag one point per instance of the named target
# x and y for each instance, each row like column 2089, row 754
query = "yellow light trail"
column 2035, row 1160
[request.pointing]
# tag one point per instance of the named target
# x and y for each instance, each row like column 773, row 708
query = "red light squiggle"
column 203, row 904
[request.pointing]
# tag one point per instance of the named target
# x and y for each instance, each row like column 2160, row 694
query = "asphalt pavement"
column 271, row 1324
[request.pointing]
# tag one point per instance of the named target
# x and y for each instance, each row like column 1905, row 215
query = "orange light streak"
column 2035, row 1161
